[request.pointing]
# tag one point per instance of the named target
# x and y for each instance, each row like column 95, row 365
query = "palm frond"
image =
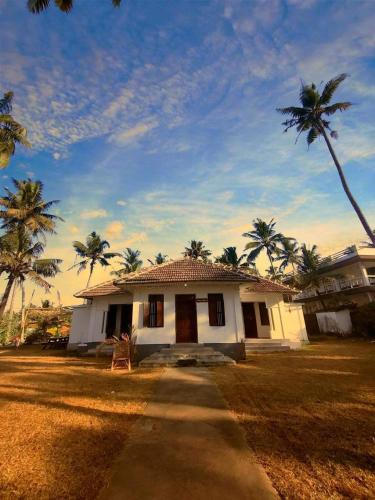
column 331, row 87
column 312, row 135
column 64, row 5
column 36, row 6
column 339, row 106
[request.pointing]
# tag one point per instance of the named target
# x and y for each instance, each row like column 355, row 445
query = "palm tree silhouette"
column 311, row 118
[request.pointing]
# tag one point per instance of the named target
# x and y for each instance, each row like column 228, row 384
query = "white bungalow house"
column 187, row 301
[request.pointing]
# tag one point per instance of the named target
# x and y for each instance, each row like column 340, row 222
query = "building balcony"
column 337, row 286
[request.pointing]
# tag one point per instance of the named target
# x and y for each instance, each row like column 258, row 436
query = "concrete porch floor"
column 187, row 445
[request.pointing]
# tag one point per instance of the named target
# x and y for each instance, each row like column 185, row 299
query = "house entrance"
column 186, row 319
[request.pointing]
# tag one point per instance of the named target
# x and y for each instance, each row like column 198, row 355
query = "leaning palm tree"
column 230, row 258
column 288, row 254
column 264, row 237
column 130, row 262
column 92, row 253
column 11, row 132
column 311, row 118
column 26, row 208
column 20, row 260
column 159, row 259
column 197, row 250
column 37, row 6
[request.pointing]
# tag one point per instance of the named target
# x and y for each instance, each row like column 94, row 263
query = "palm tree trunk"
column 91, row 271
column 271, row 262
column 23, row 312
column 355, row 205
column 10, row 319
column 5, row 297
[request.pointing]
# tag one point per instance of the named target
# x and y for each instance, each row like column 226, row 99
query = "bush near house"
column 363, row 320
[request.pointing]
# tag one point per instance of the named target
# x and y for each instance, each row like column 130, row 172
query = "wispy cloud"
column 94, row 214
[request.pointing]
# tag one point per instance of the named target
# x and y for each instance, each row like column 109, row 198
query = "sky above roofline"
column 155, row 123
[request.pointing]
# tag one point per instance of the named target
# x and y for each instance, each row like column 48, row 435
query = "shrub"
column 363, row 320
column 9, row 328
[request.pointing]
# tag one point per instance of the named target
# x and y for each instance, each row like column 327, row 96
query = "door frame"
column 255, row 322
column 192, row 300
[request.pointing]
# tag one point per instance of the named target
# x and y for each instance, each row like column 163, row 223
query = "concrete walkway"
column 187, row 446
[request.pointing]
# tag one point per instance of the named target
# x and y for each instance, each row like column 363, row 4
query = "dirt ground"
column 63, row 422
column 310, row 417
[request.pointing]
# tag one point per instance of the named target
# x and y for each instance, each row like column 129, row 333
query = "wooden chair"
column 122, row 354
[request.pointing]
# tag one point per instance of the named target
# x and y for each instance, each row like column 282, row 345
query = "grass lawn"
column 63, row 422
column 309, row 416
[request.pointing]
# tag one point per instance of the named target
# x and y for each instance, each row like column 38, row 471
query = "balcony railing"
column 336, row 286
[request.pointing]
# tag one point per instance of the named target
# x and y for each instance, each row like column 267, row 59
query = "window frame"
column 263, row 314
column 216, row 309
column 155, row 311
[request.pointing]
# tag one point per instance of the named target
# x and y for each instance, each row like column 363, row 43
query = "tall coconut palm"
column 230, row 258
column 159, row 259
column 311, row 118
column 264, row 237
column 130, row 262
column 11, row 132
column 92, row 253
column 20, row 260
column 37, row 6
column 26, row 208
column 288, row 254
column 308, row 270
column 197, row 250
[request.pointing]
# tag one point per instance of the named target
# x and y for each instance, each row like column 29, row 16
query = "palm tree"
column 274, row 274
column 231, row 258
column 37, row 6
column 265, row 238
column 25, row 208
column 20, row 260
column 197, row 250
column 159, row 259
column 130, row 262
column 288, row 254
column 11, row 132
column 308, row 270
column 311, row 118
column 92, row 252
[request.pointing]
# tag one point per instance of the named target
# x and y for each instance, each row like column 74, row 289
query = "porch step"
column 266, row 346
column 187, row 354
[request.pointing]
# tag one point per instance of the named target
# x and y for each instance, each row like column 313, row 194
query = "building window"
column 216, row 312
column 153, row 312
column 263, row 311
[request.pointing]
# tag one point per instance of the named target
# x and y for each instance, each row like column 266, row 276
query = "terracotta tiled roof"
column 185, row 270
column 265, row 285
column 106, row 288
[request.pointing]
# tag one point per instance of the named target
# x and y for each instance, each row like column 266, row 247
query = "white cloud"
column 121, row 203
column 114, row 229
column 56, row 155
column 131, row 134
column 94, row 214
column 73, row 229
column 30, row 174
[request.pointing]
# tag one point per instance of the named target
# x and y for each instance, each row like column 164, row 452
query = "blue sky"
column 155, row 123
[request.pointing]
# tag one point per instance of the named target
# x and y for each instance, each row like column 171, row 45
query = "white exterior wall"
column 232, row 331
column 89, row 328
column 338, row 322
column 79, row 329
column 286, row 320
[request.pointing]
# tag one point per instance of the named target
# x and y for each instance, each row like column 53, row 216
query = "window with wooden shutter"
column 216, row 312
column 263, row 312
column 155, row 311
column 146, row 314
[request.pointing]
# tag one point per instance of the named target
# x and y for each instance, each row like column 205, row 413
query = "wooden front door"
column 249, row 319
column 186, row 319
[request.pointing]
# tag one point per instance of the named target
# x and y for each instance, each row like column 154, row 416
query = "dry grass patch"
column 309, row 417
column 63, row 422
